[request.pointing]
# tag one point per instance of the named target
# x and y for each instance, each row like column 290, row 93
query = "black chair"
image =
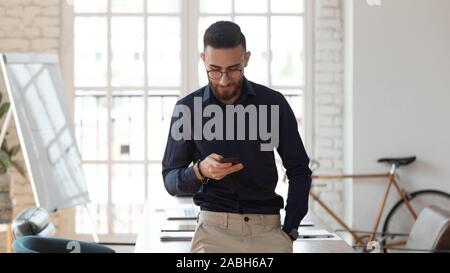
column 39, row 244
column 33, row 221
column 32, row 229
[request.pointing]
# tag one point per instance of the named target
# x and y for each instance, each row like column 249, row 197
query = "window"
column 133, row 59
column 278, row 56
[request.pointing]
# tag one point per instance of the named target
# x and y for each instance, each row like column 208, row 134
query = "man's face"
column 228, row 86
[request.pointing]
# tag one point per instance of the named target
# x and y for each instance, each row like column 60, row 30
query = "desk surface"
column 148, row 239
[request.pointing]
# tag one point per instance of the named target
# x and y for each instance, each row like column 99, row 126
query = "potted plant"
column 6, row 162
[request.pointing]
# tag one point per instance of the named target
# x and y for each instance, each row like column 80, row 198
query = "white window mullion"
column 269, row 45
column 140, row 162
column 146, row 165
column 286, row 87
column 309, row 76
column 233, row 13
column 109, row 106
column 191, row 53
column 128, row 88
column 184, row 49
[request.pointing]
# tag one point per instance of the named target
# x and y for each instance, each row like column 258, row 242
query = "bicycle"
column 402, row 215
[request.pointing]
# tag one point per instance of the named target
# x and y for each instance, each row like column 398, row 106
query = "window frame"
column 189, row 82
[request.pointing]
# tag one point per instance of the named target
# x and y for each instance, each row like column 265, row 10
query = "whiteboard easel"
column 56, row 174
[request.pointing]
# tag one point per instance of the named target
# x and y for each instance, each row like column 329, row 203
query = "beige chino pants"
column 232, row 232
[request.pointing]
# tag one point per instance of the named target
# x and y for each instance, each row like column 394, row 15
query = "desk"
column 148, row 239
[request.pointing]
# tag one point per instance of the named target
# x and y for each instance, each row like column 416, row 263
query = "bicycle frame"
column 390, row 181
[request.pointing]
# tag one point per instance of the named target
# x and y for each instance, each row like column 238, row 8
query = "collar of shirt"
column 247, row 89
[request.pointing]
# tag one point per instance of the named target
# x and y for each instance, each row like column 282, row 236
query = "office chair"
column 430, row 232
column 32, row 221
column 32, row 228
column 38, row 244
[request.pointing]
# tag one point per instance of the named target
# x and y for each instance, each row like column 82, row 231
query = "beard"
column 228, row 92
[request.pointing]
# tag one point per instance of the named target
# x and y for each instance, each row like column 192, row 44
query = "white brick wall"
column 328, row 102
column 27, row 25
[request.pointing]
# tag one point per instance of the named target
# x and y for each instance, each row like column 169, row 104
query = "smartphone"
column 234, row 160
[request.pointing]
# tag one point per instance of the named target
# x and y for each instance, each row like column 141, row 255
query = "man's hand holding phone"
column 217, row 167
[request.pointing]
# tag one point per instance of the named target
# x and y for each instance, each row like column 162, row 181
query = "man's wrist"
column 200, row 170
column 198, row 173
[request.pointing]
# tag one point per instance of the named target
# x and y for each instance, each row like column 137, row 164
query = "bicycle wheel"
column 400, row 221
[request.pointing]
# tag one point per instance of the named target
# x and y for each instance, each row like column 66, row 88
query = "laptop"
column 320, row 234
column 182, row 213
column 176, row 236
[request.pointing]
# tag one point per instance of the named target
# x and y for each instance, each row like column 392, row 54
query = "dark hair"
column 224, row 34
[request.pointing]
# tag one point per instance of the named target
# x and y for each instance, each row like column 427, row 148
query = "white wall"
column 401, row 96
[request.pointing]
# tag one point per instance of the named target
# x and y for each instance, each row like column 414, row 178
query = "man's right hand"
column 213, row 169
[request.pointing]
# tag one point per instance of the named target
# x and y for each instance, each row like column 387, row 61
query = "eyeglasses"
column 217, row 75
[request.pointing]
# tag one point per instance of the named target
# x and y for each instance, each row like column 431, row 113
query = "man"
column 240, row 211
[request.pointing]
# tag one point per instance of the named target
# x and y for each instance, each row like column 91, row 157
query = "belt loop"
column 225, row 220
column 198, row 216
